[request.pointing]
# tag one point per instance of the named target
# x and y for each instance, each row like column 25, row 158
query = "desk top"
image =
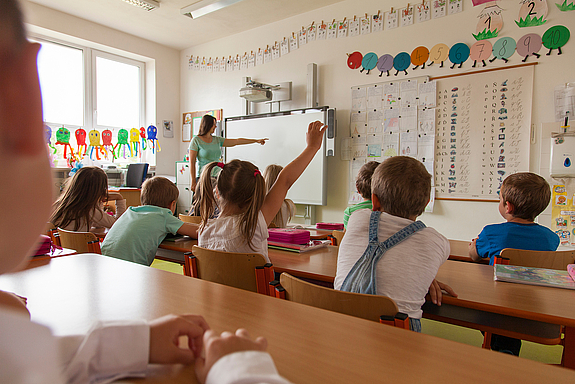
column 309, row 345
column 476, row 289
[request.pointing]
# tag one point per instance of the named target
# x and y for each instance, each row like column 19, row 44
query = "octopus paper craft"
column 134, row 141
column 122, row 143
column 48, row 132
column 80, row 134
column 94, row 138
column 63, row 138
column 107, row 143
column 152, row 136
column 143, row 137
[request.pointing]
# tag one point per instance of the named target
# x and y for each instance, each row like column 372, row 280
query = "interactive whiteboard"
column 286, row 132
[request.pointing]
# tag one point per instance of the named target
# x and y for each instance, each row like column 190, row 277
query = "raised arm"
column 292, row 171
column 241, row 141
column 193, row 156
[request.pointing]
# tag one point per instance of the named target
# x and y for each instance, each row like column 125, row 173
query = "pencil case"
column 289, row 235
column 331, row 226
column 44, row 246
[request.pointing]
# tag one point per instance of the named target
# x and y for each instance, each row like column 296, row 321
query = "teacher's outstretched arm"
column 193, row 156
column 241, row 141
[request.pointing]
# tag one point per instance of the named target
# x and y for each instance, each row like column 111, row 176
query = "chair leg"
column 486, row 340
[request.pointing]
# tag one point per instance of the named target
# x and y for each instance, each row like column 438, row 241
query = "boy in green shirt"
column 363, row 185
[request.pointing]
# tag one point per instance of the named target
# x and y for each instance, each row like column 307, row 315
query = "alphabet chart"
column 483, row 124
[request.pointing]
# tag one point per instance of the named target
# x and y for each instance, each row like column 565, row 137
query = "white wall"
column 162, row 59
column 455, row 219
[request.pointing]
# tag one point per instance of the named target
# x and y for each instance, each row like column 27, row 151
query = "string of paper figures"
column 100, row 146
column 481, row 51
column 403, row 17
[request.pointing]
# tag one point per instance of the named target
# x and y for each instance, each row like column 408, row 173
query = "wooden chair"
column 338, row 235
column 82, row 242
column 536, row 259
column 370, row 307
column 190, row 219
column 248, row 271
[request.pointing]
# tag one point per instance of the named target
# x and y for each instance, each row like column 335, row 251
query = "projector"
column 256, row 94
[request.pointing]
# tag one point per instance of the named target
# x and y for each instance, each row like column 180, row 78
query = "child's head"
column 241, row 189
column 271, row 174
column 402, row 185
column 526, row 193
column 12, row 33
column 83, row 193
column 206, row 124
column 159, row 191
column 363, row 182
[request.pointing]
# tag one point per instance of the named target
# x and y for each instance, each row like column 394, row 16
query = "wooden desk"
column 308, row 345
column 56, row 253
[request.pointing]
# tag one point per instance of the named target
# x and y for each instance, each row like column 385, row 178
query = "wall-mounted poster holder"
column 191, row 122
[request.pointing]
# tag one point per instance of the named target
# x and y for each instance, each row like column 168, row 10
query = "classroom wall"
column 162, row 64
column 455, row 219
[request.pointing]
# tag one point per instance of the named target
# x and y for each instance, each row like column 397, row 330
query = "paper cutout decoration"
column 332, row 30
column 321, row 31
column 369, row 62
column 490, row 22
column 153, row 137
column 342, row 27
column 401, row 62
column 216, row 67
column 479, row 2
column 556, row 37
column 529, row 44
column 143, row 138
column 354, row 60
column 302, row 36
column 458, row 54
column 385, row 63
column 480, row 51
column 566, row 7
column 223, row 63
column 63, row 138
column 122, row 143
column 81, row 141
column 407, row 16
column 438, row 8
column 419, row 57
column 94, row 138
column 455, row 6
column 391, row 19
column 107, row 143
column 365, row 25
column 503, row 49
column 532, row 13
column 48, row 135
column 422, row 12
column 438, row 54
column 354, row 27
column 284, row 47
column 377, row 24
column 134, row 141
column 311, row 32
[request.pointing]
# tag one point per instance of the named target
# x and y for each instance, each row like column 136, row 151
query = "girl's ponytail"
column 207, row 200
column 249, row 219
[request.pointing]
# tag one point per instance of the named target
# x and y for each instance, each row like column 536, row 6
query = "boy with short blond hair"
column 385, row 251
column 136, row 235
column 363, row 186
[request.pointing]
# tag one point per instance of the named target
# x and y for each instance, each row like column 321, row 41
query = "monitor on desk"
column 136, row 175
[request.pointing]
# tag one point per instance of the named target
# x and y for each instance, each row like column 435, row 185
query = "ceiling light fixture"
column 201, row 8
column 148, row 5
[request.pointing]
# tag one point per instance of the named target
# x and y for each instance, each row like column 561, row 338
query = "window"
column 90, row 90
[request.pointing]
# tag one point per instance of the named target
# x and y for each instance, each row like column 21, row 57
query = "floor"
column 549, row 354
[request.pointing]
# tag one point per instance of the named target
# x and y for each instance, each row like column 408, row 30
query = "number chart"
column 483, row 122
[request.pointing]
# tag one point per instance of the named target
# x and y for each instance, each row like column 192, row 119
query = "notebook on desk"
column 533, row 276
column 313, row 244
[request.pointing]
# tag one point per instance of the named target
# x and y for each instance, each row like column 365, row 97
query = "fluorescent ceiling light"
column 201, row 8
column 148, row 5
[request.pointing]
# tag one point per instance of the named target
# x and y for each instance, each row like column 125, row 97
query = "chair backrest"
column 369, row 307
column 538, row 259
column 52, row 231
column 82, row 242
column 136, row 175
column 190, row 219
column 338, row 234
column 459, row 248
column 229, row 268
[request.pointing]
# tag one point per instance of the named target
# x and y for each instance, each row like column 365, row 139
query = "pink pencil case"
column 288, row 235
column 331, row 226
column 571, row 270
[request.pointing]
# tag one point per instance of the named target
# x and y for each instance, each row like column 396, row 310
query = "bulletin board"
column 483, row 122
column 191, row 122
column 389, row 119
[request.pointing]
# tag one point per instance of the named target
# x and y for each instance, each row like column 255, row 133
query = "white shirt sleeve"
column 106, row 353
column 249, row 367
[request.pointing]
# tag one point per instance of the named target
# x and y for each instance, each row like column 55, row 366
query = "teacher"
column 206, row 148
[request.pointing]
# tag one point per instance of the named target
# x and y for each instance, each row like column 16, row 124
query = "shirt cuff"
column 244, row 368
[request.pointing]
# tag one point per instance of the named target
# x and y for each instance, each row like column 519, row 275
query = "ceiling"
column 165, row 25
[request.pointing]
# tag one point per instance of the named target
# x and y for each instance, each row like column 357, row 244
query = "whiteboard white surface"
column 286, row 135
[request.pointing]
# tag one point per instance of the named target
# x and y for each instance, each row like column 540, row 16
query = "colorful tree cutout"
column 401, row 62
column 81, row 141
column 458, row 54
column 480, row 51
column 529, row 44
column 438, row 54
column 419, row 57
column 369, row 62
column 354, row 60
column 503, row 49
column 556, row 37
column 385, row 63
column 566, row 7
column 490, row 22
column 532, row 13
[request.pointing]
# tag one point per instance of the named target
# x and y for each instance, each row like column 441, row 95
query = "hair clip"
column 221, row 165
column 257, row 172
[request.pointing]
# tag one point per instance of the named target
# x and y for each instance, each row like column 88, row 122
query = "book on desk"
column 313, row 244
column 533, row 276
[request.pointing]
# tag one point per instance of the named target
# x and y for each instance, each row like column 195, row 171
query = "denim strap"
column 361, row 277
